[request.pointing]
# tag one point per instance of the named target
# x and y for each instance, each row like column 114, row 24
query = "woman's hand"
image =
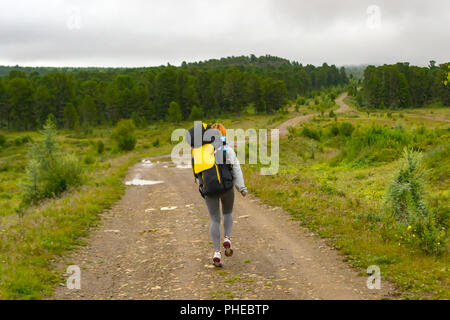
column 244, row 193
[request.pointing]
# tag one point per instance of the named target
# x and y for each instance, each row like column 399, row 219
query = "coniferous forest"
column 95, row 96
column 404, row 86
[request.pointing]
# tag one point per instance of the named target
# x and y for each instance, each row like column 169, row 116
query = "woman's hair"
column 220, row 127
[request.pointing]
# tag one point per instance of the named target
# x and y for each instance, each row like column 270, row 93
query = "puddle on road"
column 180, row 166
column 168, row 208
column 166, row 163
column 147, row 163
column 184, row 166
column 141, row 182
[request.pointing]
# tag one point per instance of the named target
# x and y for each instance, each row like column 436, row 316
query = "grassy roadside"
column 31, row 244
column 344, row 201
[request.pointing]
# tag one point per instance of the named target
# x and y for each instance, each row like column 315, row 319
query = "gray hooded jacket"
column 238, row 178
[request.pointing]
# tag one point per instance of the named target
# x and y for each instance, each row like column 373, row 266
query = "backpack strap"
column 193, row 171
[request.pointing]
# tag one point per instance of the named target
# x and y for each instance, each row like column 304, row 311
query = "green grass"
column 232, row 279
column 222, row 295
column 344, row 202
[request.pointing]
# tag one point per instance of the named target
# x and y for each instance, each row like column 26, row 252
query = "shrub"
column 123, row 135
column 332, row 114
column 49, row 172
column 17, row 142
column 22, row 140
column 26, row 139
column 375, row 144
column 89, row 159
column 311, row 133
column 417, row 223
column 100, row 146
column 86, row 130
column 136, row 119
column 156, row 143
column 312, row 150
column 300, row 101
column 197, row 113
column 2, row 140
column 64, row 173
column 406, row 189
column 174, row 112
column 334, row 130
column 346, row 129
column 437, row 163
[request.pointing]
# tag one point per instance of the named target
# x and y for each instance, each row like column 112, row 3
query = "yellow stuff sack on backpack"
column 203, row 158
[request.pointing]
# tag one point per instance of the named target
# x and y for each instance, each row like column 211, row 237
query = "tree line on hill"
column 402, row 86
column 96, row 96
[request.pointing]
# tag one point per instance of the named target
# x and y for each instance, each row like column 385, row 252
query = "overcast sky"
column 152, row 32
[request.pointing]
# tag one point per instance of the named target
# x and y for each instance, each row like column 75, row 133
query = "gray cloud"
column 143, row 33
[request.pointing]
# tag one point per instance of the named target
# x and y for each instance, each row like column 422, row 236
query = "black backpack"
column 214, row 176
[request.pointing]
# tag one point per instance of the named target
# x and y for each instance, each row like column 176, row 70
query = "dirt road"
column 154, row 244
column 343, row 107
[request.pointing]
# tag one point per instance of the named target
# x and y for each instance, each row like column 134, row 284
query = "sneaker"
column 227, row 246
column 217, row 259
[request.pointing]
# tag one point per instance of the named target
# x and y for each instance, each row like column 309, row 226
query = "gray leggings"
column 212, row 202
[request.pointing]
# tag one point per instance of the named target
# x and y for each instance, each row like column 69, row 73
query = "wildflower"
column 409, row 227
column 414, row 235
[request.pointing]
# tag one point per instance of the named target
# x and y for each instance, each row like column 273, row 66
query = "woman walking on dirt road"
column 216, row 185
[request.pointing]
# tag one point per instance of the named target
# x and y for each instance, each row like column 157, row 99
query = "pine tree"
column 166, row 91
column 187, row 92
column 404, row 99
column 62, row 92
column 71, row 118
column 4, row 112
column 88, row 112
column 21, row 93
column 174, row 113
column 42, row 104
column 255, row 93
column 234, row 91
column 196, row 114
column 275, row 95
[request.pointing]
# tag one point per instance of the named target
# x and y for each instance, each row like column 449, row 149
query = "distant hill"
column 4, row 70
column 266, row 61
column 262, row 62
